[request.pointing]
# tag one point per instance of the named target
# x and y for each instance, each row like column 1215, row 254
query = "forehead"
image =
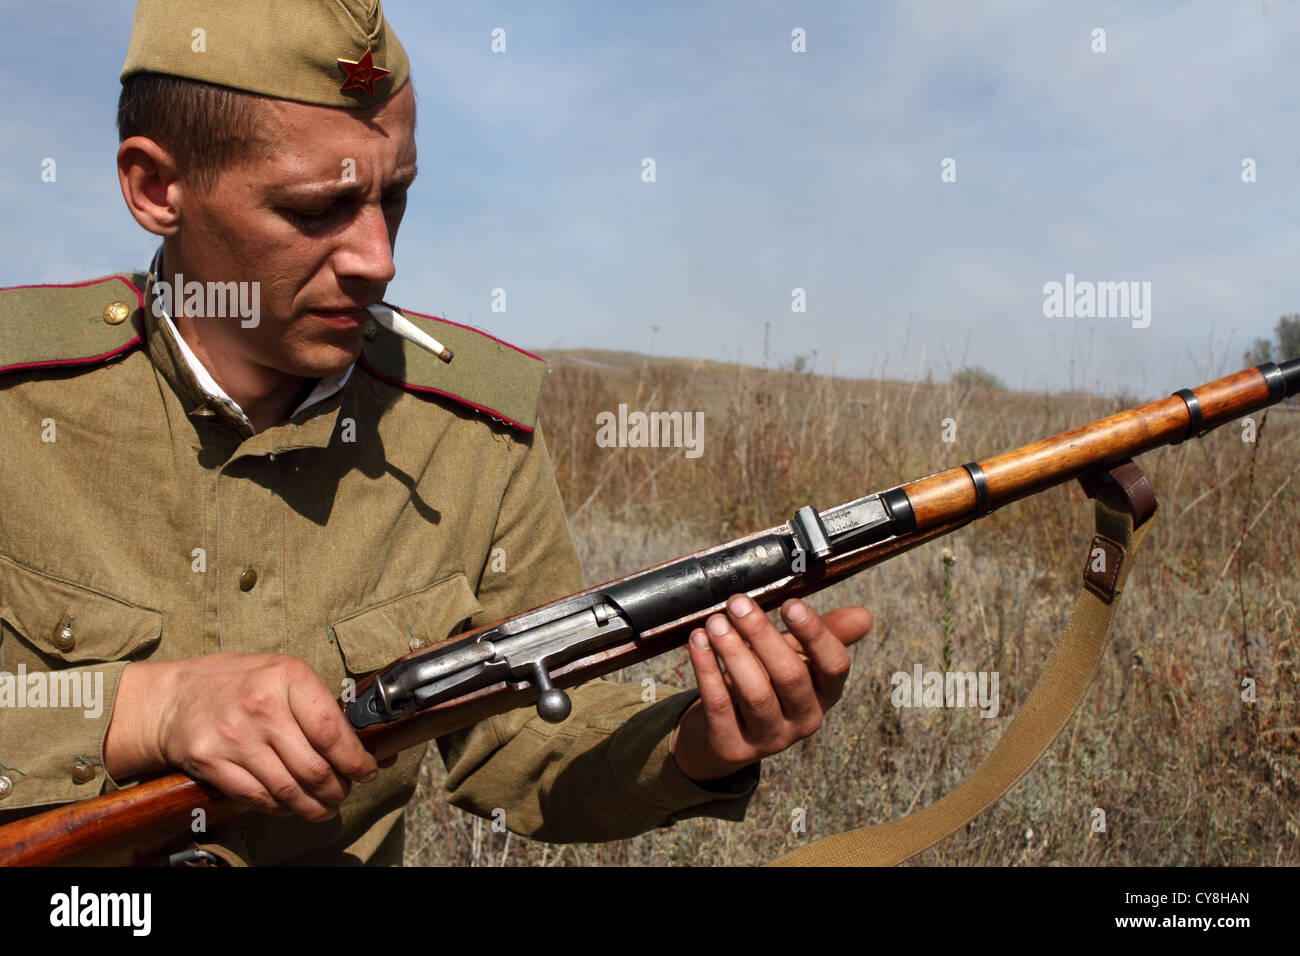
column 304, row 133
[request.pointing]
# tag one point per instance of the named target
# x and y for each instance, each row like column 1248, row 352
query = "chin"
column 323, row 359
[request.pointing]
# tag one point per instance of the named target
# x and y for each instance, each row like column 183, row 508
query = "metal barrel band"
column 981, row 487
column 1194, row 416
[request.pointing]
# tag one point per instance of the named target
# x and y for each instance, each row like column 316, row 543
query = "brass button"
column 371, row 331
column 203, row 412
column 247, row 580
column 116, row 313
column 82, row 771
column 63, row 637
column 415, row 643
column 6, row 787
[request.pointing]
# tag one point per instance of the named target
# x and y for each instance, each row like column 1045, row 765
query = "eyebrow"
column 333, row 189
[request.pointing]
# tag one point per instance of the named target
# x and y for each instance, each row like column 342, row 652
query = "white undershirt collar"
column 325, row 387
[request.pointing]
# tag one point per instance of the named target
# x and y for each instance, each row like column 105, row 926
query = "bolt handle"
column 554, row 705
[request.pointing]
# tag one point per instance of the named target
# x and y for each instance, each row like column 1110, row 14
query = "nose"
column 366, row 251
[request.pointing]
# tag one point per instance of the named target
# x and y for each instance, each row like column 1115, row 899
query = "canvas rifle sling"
column 1123, row 521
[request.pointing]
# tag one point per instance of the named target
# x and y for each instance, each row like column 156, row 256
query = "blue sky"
column 778, row 170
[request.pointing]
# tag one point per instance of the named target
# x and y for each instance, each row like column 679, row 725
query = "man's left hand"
column 772, row 689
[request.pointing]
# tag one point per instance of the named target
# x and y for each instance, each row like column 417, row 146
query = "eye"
column 303, row 220
column 308, row 219
column 395, row 199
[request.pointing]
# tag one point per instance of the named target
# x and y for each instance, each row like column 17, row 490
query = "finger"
column 828, row 660
column 850, row 633
column 327, row 731
column 272, row 774
column 240, row 785
column 848, row 622
column 750, row 686
column 784, row 636
column 785, row 669
column 792, row 642
column 309, row 768
column 715, row 698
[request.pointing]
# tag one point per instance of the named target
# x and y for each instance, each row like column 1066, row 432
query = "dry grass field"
column 1185, row 770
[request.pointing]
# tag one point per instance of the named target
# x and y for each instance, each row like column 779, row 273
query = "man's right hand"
column 262, row 728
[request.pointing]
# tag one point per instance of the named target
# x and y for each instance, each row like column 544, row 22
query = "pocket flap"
column 377, row 636
column 73, row 623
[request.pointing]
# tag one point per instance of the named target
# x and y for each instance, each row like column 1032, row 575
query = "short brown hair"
column 205, row 127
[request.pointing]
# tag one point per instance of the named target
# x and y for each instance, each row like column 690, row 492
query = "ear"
column 150, row 184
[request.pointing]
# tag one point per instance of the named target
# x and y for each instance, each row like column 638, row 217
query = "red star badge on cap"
column 361, row 74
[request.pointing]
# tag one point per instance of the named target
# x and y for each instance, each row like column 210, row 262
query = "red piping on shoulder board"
column 91, row 360
column 437, row 391
column 468, row 328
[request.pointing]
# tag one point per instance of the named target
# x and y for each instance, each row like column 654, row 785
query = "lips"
column 345, row 317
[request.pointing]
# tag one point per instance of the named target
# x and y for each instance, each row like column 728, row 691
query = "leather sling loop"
column 1123, row 519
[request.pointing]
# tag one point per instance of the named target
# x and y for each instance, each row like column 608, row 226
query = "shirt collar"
column 214, row 393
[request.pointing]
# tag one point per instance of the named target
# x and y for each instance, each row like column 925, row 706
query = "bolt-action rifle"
column 531, row 657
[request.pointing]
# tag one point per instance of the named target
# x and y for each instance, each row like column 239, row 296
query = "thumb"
column 849, row 624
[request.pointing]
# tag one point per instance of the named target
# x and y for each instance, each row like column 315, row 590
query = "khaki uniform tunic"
column 133, row 529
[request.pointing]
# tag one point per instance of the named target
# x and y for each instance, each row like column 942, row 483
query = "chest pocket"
column 377, row 636
column 67, row 622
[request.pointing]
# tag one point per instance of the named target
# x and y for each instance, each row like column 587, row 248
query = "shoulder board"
column 85, row 323
column 485, row 373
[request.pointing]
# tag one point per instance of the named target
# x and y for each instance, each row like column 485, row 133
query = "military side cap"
column 329, row 52
column 494, row 377
column 48, row 326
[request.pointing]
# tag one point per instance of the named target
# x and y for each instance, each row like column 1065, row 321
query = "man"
column 227, row 491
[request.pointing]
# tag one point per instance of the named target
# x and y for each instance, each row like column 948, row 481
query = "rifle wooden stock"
column 151, row 815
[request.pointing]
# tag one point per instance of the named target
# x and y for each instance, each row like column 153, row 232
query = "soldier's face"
column 314, row 224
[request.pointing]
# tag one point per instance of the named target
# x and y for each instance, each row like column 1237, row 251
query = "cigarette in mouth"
column 399, row 324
